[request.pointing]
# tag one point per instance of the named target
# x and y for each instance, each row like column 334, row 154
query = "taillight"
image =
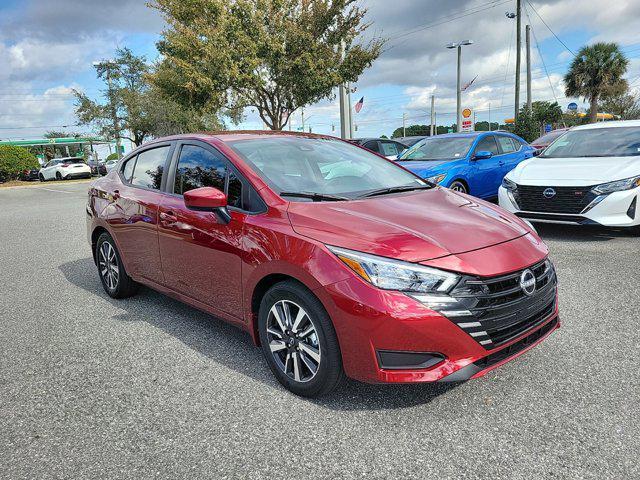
column 64, row 165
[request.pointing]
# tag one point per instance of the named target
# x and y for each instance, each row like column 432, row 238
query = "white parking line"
column 55, row 190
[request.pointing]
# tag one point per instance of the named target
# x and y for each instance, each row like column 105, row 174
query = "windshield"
column 596, row 142
column 321, row 166
column 439, row 148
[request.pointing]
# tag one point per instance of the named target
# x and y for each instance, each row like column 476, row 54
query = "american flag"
column 359, row 105
column 467, row 85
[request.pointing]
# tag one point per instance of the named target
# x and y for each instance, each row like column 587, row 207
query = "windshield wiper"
column 316, row 197
column 405, row 188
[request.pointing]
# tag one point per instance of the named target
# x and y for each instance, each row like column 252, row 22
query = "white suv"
column 65, row 168
column 589, row 175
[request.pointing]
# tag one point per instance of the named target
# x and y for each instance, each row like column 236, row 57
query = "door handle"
column 168, row 217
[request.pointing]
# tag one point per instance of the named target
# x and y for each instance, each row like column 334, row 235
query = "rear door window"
column 373, row 146
column 149, row 168
column 506, row 145
column 488, row 144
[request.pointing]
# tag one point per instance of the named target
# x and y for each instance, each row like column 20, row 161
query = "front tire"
column 115, row 280
column 298, row 340
column 41, row 178
column 458, row 186
column 58, row 176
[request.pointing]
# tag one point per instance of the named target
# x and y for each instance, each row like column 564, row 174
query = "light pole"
column 459, row 45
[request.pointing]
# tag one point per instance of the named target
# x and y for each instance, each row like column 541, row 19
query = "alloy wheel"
column 293, row 341
column 108, row 265
column 458, row 187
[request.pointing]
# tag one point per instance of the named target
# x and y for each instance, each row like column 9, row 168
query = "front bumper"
column 369, row 321
column 612, row 210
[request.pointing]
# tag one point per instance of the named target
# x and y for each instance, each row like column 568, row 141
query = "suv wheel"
column 113, row 276
column 298, row 340
column 58, row 176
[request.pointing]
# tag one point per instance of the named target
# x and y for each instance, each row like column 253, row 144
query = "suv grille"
column 499, row 310
column 572, row 200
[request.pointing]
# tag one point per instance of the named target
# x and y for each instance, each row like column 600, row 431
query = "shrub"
column 112, row 156
column 13, row 160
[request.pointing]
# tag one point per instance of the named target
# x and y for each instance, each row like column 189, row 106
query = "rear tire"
column 115, row 280
column 301, row 348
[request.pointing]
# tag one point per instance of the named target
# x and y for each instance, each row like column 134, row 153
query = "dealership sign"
column 467, row 120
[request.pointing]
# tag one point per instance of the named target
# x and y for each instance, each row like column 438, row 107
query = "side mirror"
column 208, row 199
column 482, row 154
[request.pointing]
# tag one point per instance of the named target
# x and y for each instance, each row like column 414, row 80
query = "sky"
column 47, row 48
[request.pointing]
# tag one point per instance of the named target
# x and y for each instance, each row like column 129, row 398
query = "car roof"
column 610, row 124
column 233, row 135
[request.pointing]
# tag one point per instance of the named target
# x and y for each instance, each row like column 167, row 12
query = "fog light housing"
column 397, row 360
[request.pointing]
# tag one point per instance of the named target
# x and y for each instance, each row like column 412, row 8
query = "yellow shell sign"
column 466, row 113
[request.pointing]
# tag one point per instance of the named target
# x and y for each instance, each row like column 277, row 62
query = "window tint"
column 517, row 145
column 149, row 167
column 506, row 144
column 373, row 146
column 127, row 169
column 234, row 191
column 197, row 168
column 487, row 144
column 390, row 148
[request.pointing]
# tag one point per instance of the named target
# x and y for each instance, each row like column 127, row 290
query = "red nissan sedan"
column 335, row 260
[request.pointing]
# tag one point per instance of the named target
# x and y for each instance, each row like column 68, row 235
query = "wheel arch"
column 461, row 180
column 258, row 292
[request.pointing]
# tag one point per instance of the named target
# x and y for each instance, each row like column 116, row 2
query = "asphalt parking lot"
column 92, row 387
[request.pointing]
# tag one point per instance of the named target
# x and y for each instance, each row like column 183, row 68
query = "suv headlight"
column 509, row 185
column 390, row 274
column 617, row 186
column 436, row 178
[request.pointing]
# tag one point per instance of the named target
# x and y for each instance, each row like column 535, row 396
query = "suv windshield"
column 596, row 142
column 321, row 166
column 438, row 149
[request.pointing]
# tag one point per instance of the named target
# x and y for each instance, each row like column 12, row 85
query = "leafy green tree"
column 595, row 69
column 273, row 55
column 133, row 109
column 527, row 126
column 546, row 112
column 412, row 131
column 14, row 159
column 624, row 105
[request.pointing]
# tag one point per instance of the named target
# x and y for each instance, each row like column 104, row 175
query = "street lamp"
column 459, row 45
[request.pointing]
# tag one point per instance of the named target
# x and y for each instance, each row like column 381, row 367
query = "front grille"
column 571, row 200
column 498, row 309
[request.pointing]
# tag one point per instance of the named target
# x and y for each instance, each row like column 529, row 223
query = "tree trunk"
column 593, row 112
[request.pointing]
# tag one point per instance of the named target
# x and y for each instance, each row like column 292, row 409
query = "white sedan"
column 64, row 168
column 589, row 175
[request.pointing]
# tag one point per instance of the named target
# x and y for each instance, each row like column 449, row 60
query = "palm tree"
column 595, row 69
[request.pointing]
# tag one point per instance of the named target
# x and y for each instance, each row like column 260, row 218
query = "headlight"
column 389, row 274
column 617, row 186
column 509, row 185
column 436, row 178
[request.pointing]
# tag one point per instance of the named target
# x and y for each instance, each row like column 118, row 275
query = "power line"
column 554, row 33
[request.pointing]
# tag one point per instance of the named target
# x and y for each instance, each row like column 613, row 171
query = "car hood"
column 574, row 171
column 424, row 168
column 415, row 226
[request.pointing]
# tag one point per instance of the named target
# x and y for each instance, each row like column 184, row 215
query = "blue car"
column 472, row 163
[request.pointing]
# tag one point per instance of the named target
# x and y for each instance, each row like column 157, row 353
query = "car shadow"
column 233, row 348
column 579, row 233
